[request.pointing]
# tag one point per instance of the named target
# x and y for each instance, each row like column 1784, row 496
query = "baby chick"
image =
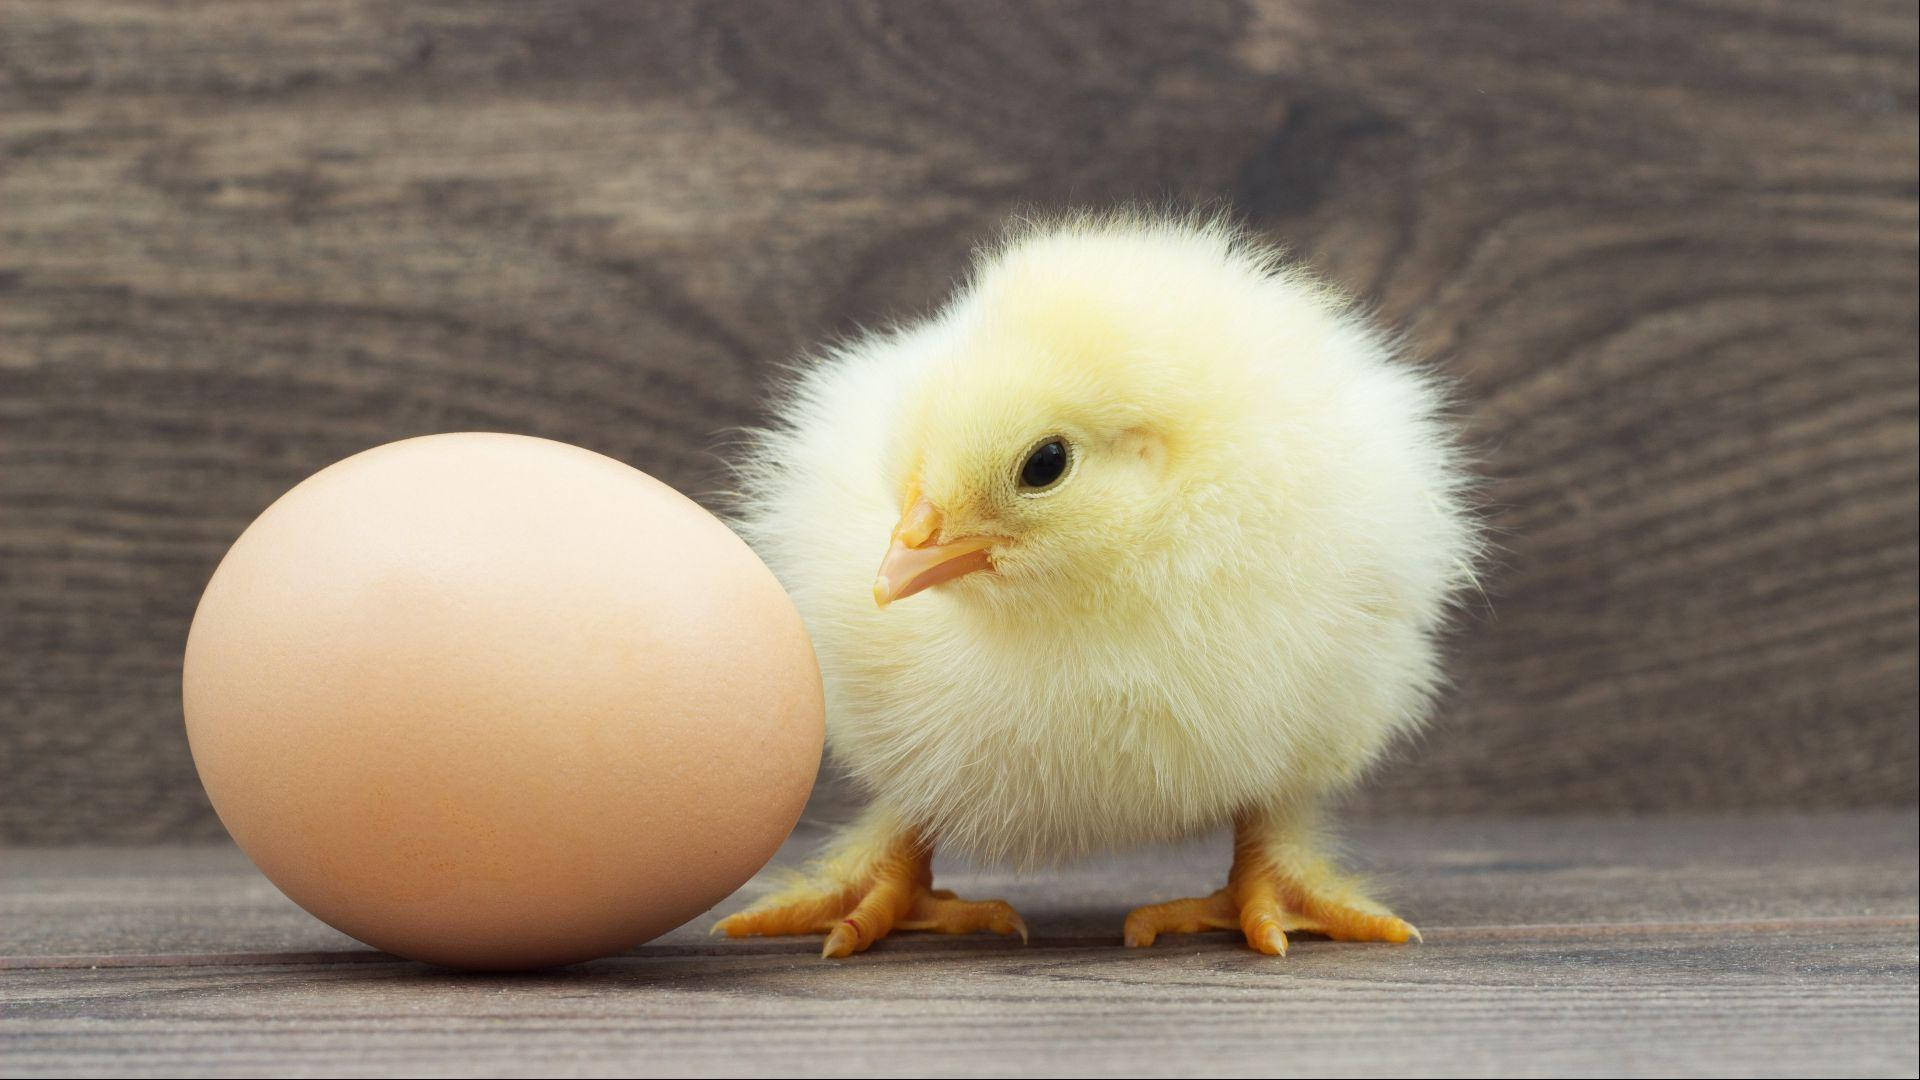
column 1164, row 534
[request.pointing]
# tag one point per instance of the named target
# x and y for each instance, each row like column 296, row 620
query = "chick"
column 1165, row 532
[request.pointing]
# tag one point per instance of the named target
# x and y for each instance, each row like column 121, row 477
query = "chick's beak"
column 914, row 562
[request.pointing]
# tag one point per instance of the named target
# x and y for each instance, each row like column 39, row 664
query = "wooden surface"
column 1668, row 250
column 1684, row 946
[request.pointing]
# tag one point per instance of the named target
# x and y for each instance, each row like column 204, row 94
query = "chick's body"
column 1222, row 609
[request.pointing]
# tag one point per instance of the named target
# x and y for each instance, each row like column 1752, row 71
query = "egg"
column 492, row 701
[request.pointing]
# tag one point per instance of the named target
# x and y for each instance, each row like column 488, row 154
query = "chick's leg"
column 876, row 879
column 1279, row 883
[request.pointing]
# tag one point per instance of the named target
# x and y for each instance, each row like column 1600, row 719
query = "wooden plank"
column 1451, row 875
column 1678, row 946
column 1738, row 1001
column 1668, row 250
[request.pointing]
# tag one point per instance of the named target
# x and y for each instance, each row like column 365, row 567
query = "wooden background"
column 1667, row 248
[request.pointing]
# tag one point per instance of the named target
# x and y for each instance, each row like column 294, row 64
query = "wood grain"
column 1676, row 946
column 1668, row 251
column 122, row 904
column 1805, row 1000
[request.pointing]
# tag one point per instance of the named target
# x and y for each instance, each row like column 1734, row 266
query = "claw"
column 842, row 940
column 1268, row 939
column 1016, row 925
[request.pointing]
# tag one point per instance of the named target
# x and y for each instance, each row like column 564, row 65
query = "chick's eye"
column 1045, row 466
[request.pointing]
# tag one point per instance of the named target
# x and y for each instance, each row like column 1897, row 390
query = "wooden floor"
column 1759, row 945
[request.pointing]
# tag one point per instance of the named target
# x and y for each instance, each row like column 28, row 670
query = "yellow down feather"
column 1228, row 605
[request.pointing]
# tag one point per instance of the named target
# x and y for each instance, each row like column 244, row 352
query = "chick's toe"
column 1189, row 916
column 939, row 911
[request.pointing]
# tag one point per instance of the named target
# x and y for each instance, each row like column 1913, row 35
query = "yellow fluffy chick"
column 1164, row 532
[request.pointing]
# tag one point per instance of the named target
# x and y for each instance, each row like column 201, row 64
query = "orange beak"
column 914, row 563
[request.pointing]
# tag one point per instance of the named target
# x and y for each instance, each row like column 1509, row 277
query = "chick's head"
column 1081, row 410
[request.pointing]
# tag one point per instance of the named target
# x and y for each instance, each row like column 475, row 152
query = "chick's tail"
column 875, row 878
column 1279, row 883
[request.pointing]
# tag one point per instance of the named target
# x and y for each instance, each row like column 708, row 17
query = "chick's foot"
column 1265, row 900
column 861, row 897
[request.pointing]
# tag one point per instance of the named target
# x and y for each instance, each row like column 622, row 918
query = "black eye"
column 1045, row 466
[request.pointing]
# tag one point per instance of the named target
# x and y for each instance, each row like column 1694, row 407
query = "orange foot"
column 866, row 896
column 1264, row 902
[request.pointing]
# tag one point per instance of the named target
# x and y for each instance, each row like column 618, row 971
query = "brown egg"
column 499, row 702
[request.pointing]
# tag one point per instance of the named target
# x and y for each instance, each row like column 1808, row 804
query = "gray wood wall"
column 1668, row 249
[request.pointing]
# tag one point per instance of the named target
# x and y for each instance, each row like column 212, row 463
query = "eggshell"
column 497, row 702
